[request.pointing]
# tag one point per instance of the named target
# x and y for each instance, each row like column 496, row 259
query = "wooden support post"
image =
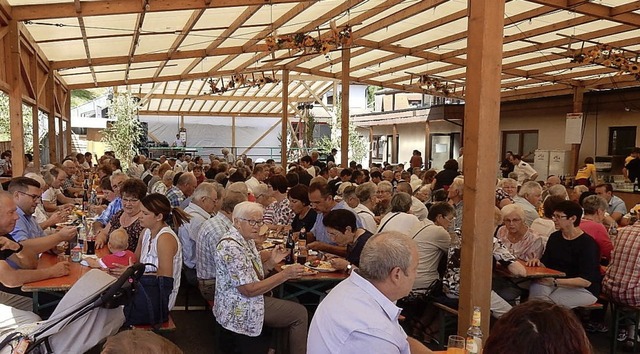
column 36, row 134
column 62, row 151
column 344, row 138
column 370, row 145
column 482, row 117
column 67, row 132
column 234, row 150
column 15, row 99
column 50, row 90
column 578, row 99
column 394, row 144
column 427, row 148
column 285, row 118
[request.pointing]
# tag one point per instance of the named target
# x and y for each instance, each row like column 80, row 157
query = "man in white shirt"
column 524, row 170
column 529, row 199
column 349, row 195
column 417, row 207
column 359, row 315
column 307, row 164
column 257, row 176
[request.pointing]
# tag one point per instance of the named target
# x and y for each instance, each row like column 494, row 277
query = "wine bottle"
column 290, row 246
column 302, row 246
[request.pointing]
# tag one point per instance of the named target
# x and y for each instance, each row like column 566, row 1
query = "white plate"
column 325, row 269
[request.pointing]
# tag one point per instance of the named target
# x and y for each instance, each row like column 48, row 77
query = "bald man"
column 69, row 187
column 187, row 183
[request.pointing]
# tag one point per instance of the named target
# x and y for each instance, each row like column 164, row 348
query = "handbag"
column 150, row 305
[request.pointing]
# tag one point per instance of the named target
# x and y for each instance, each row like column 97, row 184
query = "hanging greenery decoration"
column 238, row 81
column 437, row 86
column 608, row 56
column 309, row 44
column 124, row 133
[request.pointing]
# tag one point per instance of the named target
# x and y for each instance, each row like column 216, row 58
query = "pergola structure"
column 179, row 57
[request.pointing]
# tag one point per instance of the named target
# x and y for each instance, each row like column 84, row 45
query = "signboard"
column 573, row 129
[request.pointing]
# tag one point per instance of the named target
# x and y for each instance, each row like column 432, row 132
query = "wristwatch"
column 349, row 268
column 19, row 248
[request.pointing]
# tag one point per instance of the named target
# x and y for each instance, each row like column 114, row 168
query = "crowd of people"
column 204, row 223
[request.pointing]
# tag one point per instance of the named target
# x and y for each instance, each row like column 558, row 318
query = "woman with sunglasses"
column 132, row 191
column 572, row 251
column 240, row 302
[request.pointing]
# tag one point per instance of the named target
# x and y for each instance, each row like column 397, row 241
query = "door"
column 440, row 150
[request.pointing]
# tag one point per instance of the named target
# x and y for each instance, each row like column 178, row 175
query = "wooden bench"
column 168, row 326
column 592, row 307
column 448, row 316
column 622, row 313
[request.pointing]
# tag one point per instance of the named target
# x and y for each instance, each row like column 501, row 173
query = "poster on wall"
column 573, row 129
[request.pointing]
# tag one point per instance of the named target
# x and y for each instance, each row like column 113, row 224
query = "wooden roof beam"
column 135, row 41
column 531, row 33
column 237, row 23
column 344, row 6
column 121, row 7
column 186, row 29
column 226, row 98
column 400, row 15
column 593, row 9
column 85, row 42
column 209, row 114
column 451, row 38
column 529, row 49
column 417, row 30
column 151, row 57
column 623, row 9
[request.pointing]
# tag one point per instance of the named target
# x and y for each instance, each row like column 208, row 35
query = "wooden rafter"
column 237, row 23
column 121, row 7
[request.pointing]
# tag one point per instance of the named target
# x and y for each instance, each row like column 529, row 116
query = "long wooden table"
column 532, row 272
column 61, row 284
column 316, row 284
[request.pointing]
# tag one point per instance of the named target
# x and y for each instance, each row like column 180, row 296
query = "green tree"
column 123, row 134
column 358, row 147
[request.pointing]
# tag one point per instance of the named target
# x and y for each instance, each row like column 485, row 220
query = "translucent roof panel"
column 392, row 41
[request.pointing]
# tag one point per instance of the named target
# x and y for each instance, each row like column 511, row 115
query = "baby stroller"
column 91, row 311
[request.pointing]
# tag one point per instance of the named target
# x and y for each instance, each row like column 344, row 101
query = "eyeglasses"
column 133, row 200
column 556, row 217
column 252, row 222
column 449, row 219
column 35, row 197
column 510, row 221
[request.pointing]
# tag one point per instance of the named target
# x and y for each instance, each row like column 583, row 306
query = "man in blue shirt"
column 18, row 254
column 322, row 202
column 26, row 194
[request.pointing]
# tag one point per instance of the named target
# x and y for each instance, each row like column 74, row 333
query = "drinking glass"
column 455, row 345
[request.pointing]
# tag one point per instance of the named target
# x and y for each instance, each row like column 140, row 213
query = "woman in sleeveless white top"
column 149, row 254
column 159, row 245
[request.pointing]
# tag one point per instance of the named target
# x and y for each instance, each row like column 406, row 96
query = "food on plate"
column 307, row 271
column 322, row 266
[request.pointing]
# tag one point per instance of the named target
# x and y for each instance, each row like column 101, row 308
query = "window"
column 377, row 147
column 621, row 140
column 523, row 142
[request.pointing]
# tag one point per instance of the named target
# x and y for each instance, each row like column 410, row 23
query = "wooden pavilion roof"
column 169, row 51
